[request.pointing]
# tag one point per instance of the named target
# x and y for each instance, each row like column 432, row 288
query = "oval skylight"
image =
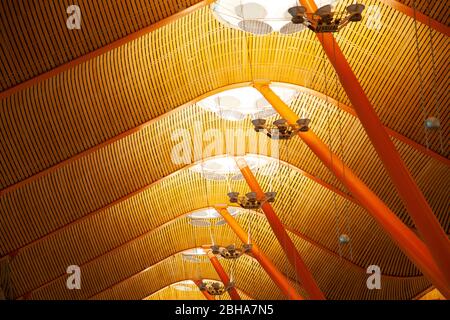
column 239, row 103
column 211, row 213
column 222, row 168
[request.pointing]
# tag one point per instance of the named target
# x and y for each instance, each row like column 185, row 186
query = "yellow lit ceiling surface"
column 86, row 176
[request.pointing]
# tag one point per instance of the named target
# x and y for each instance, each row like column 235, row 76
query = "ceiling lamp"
column 260, row 17
column 344, row 239
column 432, row 123
column 250, row 200
column 215, row 288
column 239, row 103
column 224, row 168
column 280, row 129
column 325, row 19
column 231, row 252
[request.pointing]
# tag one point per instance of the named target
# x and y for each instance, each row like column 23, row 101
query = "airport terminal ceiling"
column 158, row 146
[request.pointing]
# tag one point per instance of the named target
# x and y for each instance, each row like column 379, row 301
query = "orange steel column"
column 223, row 275
column 278, row 278
column 285, row 241
column 205, row 293
column 407, row 240
column 412, row 197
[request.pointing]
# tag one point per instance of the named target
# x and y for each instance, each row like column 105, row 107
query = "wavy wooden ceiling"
column 37, row 50
column 78, row 109
column 27, row 52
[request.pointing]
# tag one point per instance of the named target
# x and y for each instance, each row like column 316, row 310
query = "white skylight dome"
column 187, row 285
column 193, row 255
column 260, row 16
column 223, row 168
column 211, row 213
column 239, row 103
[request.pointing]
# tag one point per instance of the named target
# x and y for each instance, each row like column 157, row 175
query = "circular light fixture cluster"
column 223, row 168
column 260, row 17
column 239, row 103
column 215, row 288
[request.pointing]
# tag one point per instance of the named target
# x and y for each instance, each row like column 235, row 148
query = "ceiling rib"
column 102, row 50
column 136, row 192
column 131, row 131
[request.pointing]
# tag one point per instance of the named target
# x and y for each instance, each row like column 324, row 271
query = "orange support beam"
column 205, row 293
column 283, row 238
column 223, row 275
column 413, row 199
column 406, row 239
column 278, row 278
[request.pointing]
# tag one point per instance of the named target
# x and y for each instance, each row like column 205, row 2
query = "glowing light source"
column 239, row 103
column 222, row 168
column 186, row 285
column 193, row 255
column 260, row 16
column 210, row 213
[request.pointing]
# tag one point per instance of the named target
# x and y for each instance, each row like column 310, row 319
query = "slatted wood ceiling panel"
column 185, row 191
column 132, row 288
column 29, row 51
column 143, row 285
column 261, row 69
column 173, row 65
column 342, row 278
column 102, row 23
column 139, row 160
column 137, row 257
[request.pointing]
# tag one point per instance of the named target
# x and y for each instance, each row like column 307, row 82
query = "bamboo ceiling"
column 77, row 170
